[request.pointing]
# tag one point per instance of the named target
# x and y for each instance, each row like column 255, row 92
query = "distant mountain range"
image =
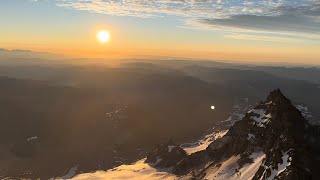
column 96, row 117
column 27, row 54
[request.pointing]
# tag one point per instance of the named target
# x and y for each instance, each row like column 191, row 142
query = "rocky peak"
column 276, row 129
column 277, row 97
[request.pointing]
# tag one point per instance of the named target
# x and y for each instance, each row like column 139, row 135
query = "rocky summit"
column 272, row 141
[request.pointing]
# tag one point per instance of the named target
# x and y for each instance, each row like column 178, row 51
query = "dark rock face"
column 274, row 127
column 166, row 155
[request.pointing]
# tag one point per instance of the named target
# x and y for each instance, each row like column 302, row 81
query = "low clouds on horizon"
column 299, row 18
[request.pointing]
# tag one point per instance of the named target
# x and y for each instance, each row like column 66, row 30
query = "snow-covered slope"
column 137, row 171
column 229, row 169
column 272, row 141
column 141, row 170
column 202, row 144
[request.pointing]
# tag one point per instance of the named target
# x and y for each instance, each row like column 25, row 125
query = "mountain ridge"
column 275, row 128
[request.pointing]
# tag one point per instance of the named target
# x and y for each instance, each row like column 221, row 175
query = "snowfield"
column 203, row 143
column 136, row 171
column 249, row 170
column 141, row 170
column 229, row 169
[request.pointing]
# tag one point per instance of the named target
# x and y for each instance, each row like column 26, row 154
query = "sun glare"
column 103, row 36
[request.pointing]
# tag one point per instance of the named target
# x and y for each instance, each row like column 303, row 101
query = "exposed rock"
column 274, row 127
column 166, row 155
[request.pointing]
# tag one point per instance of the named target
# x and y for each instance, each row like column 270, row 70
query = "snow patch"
column 32, row 138
column 229, row 169
column 158, row 161
column 224, row 170
column 249, row 170
column 116, row 115
column 286, row 161
column 203, row 143
column 304, row 111
column 72, row 172
column 312, row 117
column 136, row 171
column 229, row 119
column 237, row 113
column 268, row 103
column 170, row 147
column 261, row 119
column 251, row 136
column 302, row 108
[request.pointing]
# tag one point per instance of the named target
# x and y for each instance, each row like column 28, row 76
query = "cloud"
column 280, row 23
column 275, row 16
column 146, row 8
column 183, row 8
column 262, row 38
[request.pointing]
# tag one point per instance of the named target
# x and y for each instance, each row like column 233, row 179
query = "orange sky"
column 50, row 28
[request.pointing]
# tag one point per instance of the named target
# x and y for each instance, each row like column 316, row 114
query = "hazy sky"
column 257, row 30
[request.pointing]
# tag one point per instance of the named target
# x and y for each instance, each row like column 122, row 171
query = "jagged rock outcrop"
column 166, row 155
column 274, row 127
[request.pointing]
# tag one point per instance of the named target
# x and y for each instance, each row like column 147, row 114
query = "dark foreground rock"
column 166, row 155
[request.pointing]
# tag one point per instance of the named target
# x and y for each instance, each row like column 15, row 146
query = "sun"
column 103, row 36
